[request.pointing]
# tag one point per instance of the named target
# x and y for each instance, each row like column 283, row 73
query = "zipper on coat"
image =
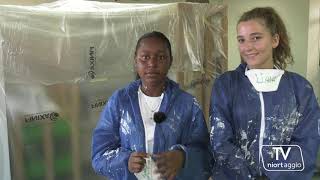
column 262, row 125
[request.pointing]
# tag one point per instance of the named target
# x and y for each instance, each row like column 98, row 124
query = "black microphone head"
column 159, row 117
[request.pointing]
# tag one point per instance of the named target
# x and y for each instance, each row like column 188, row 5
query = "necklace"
column 151, row 104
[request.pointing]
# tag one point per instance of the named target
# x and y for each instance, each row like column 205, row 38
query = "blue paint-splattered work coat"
column 291, row 118
column 120, row 132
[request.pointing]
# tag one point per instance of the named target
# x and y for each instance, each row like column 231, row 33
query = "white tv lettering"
column 284, row 155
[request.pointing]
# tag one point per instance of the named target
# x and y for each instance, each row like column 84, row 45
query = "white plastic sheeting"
column 60, row 62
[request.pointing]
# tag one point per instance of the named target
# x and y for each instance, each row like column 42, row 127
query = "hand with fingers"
column 169, row 163
column 137, row 161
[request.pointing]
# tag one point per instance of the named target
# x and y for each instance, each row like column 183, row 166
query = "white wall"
column 24, row 2
column 313, row 70
column 35, row 2
column 295, row 16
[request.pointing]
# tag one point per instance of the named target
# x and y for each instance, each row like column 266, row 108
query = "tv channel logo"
column 282, row 158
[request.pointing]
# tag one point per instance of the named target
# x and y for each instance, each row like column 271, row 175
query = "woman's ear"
column 170, row 61
column 135, row 61
column 275, row 40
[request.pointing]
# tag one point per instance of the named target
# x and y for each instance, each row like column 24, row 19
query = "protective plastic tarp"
column 60, row 62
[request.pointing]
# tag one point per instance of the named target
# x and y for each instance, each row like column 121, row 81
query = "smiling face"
column 152, row 61
column 256, row 43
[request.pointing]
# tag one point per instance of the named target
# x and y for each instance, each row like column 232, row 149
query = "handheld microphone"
column 159, row 117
